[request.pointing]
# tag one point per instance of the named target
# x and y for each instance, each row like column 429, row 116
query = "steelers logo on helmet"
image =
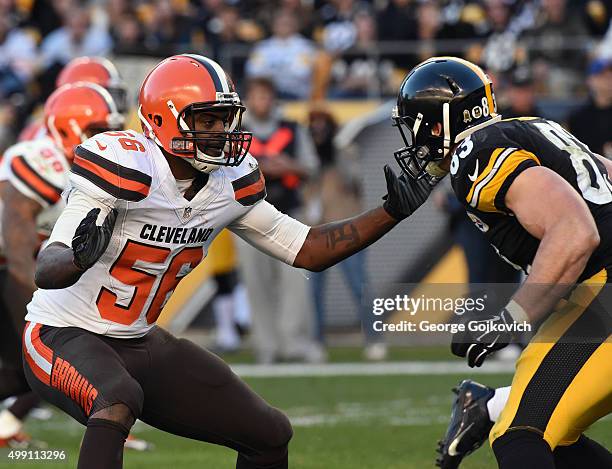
column 451, row 92
column 189, row 107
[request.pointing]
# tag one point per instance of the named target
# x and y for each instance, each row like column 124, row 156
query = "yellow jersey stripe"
column 486, row 201
column 525, row 118
column 499, row 161
column 486, row 171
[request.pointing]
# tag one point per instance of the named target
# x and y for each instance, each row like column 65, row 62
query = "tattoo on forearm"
column 342, row 233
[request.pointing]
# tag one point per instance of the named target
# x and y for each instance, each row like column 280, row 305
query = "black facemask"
column 418, row 151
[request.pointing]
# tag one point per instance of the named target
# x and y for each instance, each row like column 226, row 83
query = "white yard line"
column 370, row 369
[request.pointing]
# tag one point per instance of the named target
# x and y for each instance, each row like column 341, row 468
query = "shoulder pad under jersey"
column 37, row 169
column 114, row 165
column 483, row 169
column 247, row 181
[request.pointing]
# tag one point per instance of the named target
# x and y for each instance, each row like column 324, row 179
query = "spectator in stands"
column 47, row 15
column 118, row 9
column 397, row 21
column 206, row 16
column 599, row 14
column 520, row 94
column 168, row 28
column 592, row 124
column 128, row 35
column 227, row 34
column 230, row 304
column 339, row 11
column 303, row 11
column 359, row 71
column 263, row 12
column 286, row 58
column 339, row 32
column 77, row 37
column 556, row 61
column 279, row 295
column 17, row 58
column 340, row 194
column 499, row 52
column 430, row 27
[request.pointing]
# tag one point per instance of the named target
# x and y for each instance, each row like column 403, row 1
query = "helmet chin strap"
column 74, row 126
column 202, row 166
column 433, row 169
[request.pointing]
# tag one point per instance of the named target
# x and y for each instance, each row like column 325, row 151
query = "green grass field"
column 339, row 423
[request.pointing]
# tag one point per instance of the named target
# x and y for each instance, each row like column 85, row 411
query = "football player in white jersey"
column 32, row 176
column 91, row 346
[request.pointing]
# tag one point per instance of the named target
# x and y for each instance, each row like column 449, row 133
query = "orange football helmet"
column 73, row 113
column 95, row 70
column 174, row 93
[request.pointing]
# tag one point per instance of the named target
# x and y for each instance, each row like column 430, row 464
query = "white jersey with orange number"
column 159, row 236
column 39, row 171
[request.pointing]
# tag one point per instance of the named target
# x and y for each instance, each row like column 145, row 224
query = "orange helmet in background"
column 171, row 96
column 96, row 70
column 73, row 113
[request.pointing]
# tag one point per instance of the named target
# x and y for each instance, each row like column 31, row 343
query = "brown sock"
column 102, row 446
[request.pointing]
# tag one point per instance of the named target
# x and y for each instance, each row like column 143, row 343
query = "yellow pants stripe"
column 587, row 397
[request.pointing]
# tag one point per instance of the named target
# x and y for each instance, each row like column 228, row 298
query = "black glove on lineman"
column 90, row 240
column 478, row 345
column 405, row 195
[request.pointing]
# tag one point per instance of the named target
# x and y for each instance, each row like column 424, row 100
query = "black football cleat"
column 469, row 425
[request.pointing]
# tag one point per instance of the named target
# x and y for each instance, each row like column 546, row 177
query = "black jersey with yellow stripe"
column 484, row 166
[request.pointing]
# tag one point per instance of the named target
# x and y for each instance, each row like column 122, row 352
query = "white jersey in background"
column 159, row 236
column 39, row 171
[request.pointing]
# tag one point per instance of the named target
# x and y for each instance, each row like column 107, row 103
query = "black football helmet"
column 448, row 90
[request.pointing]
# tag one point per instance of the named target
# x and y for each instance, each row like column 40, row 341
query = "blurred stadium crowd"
column 539, row 53
column 339, row 48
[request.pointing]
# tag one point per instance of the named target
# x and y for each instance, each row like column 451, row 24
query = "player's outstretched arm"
column 20, row 237
column 329, row 244
column 60, row 266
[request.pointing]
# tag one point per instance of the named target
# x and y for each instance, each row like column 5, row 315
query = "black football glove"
column 90, row 240
column 405, row 195
column 478, row 345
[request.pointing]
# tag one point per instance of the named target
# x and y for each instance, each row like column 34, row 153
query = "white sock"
column 496, row 404
column 223, row 307
column 9, row 424
column 242, row 308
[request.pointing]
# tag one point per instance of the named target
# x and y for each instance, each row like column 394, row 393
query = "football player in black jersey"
column 544, row 201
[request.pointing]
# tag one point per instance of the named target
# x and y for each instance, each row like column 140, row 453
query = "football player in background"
column 98, row 70
column 91, row 346
column 32, row 176
column 544, row 201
